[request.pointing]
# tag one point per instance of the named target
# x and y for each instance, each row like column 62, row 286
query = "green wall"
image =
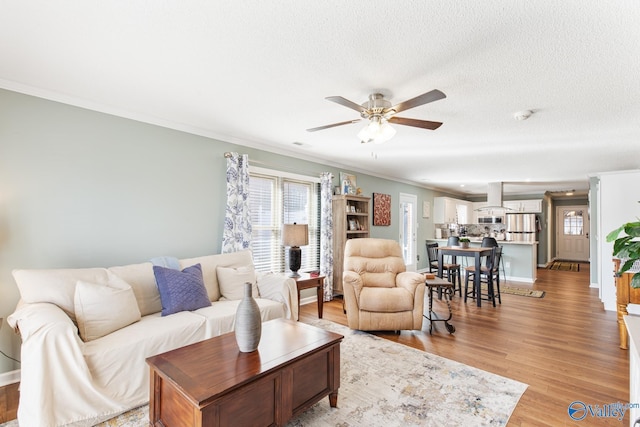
column 80, row 188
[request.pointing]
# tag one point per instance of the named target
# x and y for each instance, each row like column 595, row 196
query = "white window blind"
column 274, row 200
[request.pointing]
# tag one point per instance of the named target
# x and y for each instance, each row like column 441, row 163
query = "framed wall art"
column 426, row 210
column 381, row 209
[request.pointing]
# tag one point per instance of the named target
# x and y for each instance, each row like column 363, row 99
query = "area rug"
column 564, row 266
column 389, row 384
column 523, row 292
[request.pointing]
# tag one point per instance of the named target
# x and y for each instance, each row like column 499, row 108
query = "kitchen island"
column 520, row 259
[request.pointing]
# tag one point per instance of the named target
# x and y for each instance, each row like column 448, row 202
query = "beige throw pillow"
column 232, row 280
column 102, row 309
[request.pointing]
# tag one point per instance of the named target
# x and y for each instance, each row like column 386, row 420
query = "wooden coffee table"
column 211, row 383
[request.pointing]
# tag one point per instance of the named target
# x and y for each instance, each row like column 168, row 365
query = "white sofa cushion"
column 57, row 286
column 220, row 318
column 143, row 283
column 232, row 280
column 116, row 362
column 101, row 310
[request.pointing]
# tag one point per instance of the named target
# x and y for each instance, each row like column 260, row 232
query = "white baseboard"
column 309, row 300
column 10, row 377
column 520, row 279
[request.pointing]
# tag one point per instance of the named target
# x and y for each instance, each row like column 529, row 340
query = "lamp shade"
column 377, row 131
column 295, row 234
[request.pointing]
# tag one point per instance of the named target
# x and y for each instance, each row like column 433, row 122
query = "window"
column 277, row 198
column 573, row 223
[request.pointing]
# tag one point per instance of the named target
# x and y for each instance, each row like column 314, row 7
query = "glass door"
column 408, row 230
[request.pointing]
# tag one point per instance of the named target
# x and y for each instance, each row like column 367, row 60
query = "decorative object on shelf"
column 348, row 183
column 248, row 328
column 464, row 243
column 381, row 209
column 295, row 235
column 627, row 248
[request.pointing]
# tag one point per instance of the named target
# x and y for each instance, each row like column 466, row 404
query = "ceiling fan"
column 380, row 113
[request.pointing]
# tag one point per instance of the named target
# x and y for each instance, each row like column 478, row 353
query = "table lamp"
column 295, row 235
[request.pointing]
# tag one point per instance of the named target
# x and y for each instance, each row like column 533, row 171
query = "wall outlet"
column 507, row 264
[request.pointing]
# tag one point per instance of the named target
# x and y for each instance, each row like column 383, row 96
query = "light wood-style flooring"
column 564, row 346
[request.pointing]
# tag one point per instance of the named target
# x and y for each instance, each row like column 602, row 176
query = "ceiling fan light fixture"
column 377, row 131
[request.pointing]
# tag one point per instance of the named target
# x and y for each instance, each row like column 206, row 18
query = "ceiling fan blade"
column 349, row 104
column 424, row 124
column 333, row 125
column 425, row 98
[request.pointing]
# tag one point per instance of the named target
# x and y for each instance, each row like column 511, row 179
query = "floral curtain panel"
column 326, row 233
column 237, row 221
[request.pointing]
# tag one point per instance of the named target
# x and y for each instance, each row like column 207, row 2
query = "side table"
column 305, row 281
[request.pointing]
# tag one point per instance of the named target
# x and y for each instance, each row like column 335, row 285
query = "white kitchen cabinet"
column 476, row 213
column 464, row 210
column 444, row 210
column 447, row 210
column 519, row 206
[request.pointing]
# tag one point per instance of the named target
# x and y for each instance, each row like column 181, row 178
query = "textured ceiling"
column 256, row 73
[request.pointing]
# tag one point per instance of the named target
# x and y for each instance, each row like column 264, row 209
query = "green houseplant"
column 464, row 242
column 627, row 247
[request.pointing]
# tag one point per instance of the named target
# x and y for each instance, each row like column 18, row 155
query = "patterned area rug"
column 389, row 384
column 564, row 266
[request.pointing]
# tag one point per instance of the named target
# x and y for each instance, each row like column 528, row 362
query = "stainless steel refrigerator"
column 521, row 227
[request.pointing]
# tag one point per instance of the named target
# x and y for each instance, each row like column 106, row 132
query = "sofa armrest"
column 39, row 319
column 280, row 288
column 52, row 364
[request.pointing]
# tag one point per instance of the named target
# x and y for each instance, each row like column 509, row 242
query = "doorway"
column 572, row 233
column 408, row 230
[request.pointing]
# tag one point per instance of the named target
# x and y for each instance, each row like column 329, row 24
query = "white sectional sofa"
column 87, row 332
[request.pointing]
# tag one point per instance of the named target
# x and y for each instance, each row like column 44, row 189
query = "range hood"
column 494, row 197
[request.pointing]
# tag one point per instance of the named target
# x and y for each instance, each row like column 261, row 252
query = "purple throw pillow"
column 181, row 290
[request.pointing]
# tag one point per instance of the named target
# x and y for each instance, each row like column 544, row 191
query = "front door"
column 572, row 233
column 408, row 232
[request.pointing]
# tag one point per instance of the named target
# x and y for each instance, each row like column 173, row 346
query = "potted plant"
column 627, row 248
column 464, row 242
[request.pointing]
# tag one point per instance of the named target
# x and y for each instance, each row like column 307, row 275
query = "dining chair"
column 489, row 242
column 432, row 255
column 451, row 269
column 489, row 274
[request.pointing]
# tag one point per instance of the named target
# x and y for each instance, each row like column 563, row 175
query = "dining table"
column 476, row 253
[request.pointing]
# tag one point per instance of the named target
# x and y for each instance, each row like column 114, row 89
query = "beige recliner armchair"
column 379, row 294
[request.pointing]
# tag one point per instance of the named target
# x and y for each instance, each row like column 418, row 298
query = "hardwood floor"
column 564, row 346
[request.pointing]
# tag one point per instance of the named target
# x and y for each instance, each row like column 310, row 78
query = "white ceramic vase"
column 248, row 327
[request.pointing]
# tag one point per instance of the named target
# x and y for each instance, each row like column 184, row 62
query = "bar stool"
column 490, row 242
column 453, row 269
column 489, row 274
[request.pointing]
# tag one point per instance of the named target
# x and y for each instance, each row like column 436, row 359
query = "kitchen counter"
column 519, row 259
